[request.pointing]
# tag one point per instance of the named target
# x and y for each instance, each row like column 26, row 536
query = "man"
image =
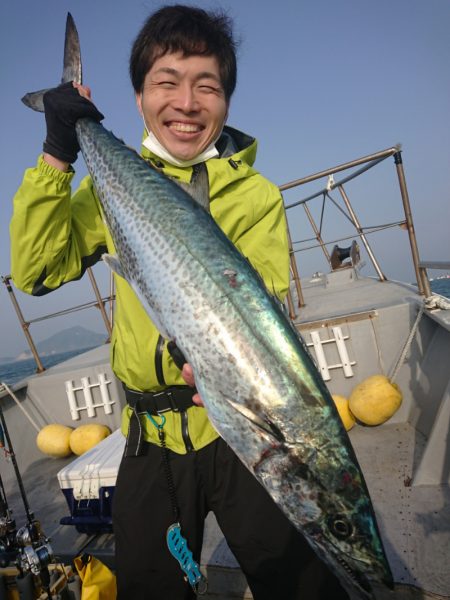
column 183, row 70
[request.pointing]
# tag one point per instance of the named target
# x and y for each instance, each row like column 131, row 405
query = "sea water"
column 21, row 369
column 441, row 286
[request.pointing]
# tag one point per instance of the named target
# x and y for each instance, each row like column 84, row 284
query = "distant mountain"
column 74, row 338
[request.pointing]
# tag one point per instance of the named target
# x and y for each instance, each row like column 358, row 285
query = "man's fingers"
column 83, row 90
column 188, row 374
column 197, row 400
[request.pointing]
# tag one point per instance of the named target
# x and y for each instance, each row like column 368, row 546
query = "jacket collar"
column 237, row 154
column 231, row 144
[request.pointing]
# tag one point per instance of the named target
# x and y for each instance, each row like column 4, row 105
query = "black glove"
column 63, row 107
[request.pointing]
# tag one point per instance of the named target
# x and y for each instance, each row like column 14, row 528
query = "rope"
column 4, row 386
column 436, row 301
column 377, row 344
column 433, row 302
column 407, row 345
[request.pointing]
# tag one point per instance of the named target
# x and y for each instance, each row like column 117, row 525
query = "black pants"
column 275, row 558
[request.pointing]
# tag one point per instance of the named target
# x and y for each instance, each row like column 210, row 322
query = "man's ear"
column 138, row 96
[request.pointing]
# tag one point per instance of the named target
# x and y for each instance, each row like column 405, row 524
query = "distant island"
column 73, row 338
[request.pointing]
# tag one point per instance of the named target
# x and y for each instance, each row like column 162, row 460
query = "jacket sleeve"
column 265, row 241
column 54, row 236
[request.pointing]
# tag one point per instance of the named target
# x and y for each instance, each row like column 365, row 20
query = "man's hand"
column 188, row 375
column 186, row 370
column 64, row 105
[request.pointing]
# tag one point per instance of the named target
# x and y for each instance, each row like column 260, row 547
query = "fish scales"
column 258, row 382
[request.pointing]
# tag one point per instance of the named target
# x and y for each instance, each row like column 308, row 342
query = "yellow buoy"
column 344, row 412
column 85, row 437
column 53, row 440
column 375, row 400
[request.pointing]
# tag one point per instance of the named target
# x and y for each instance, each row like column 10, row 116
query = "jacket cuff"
column 61, row 177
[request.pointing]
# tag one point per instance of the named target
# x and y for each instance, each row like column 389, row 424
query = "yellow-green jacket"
column 55, row 236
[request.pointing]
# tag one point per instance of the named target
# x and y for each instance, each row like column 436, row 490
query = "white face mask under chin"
column 152, row 144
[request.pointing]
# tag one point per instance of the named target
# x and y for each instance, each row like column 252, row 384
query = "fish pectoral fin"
column 261, row 421
column 114, row 264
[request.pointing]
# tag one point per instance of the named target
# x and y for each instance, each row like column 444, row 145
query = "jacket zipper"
column 185, row 431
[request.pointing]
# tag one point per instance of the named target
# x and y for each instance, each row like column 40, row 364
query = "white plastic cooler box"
column 88, row 485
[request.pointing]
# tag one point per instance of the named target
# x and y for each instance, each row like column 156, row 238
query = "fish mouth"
column 356, row 578
column 361, row 581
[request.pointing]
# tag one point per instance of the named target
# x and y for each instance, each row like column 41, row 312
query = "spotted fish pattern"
column 262, row 391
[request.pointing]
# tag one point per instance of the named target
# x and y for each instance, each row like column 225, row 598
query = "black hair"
column 189, row 30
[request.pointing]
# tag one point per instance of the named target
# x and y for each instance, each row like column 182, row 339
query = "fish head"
column 342, row 526
column 313, row 475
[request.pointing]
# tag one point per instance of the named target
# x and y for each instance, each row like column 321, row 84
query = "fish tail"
column 72, row 70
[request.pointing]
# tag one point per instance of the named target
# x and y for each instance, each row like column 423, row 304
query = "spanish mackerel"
column 258, row 382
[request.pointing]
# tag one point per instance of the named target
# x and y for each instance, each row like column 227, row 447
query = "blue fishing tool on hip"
column 178, row 547
column 176, row 543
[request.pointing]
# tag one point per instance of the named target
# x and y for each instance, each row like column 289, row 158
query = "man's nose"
column 186, row 99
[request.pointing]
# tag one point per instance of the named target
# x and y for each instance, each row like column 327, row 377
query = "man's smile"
column 184, row 127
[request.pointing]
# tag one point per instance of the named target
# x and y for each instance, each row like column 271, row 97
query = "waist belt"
column 176, row 398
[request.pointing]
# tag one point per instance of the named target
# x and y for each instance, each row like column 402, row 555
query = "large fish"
column 262, row 390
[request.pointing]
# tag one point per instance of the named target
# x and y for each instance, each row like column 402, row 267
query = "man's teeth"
column 185, row 127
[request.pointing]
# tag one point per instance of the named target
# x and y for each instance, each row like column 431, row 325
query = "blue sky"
column 320, row 83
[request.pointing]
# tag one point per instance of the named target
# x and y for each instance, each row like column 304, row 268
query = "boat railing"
column 365, row 163
column 439, row 265
column 99, row 302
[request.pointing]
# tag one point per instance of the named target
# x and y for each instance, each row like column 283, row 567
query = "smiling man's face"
column 183, row 103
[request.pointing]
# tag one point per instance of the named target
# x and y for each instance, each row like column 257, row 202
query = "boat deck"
column 414, row 523
column 330, row 295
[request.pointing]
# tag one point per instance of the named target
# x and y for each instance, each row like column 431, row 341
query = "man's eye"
column 209, row 89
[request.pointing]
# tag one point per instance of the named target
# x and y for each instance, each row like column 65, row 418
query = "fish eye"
column 340, row 527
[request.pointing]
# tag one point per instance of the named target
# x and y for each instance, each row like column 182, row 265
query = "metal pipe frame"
column 372, row 160
column 421, row 273
column 296, row 279
column 112, row 295
column 376, row 157
column 25, row 324
column 317, row 233
column 435, row 264
column 360, row 231
column 100, row 303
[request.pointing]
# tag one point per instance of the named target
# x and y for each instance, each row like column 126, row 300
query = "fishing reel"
column 7, row 541
column 35, row 560
column 35, row 552
column 7, row 528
